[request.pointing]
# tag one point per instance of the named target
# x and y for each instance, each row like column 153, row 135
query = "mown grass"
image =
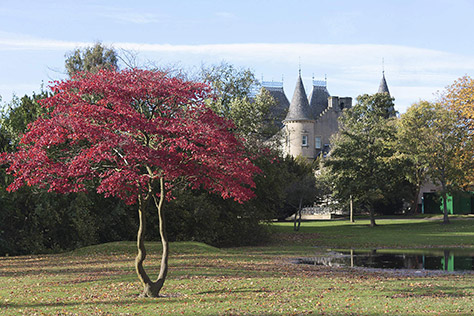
column 203, row 280
column 393, row 233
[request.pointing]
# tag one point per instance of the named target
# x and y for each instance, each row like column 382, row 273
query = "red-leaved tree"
column 132, row 134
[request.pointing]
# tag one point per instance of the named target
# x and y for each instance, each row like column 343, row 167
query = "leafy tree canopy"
column 460, row 98
column 16, row 117
column 236, row 99
column 361, row 160
column 132, row 134
column 432, row 136
column 91, row 59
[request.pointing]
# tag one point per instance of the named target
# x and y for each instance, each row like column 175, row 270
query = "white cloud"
column 355, row 58
column 11, row 41
column 412, row 73
column 352, row 58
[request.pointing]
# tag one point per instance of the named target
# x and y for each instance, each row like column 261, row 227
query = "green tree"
column 16, row 116
column 234, row 91
column 228, row 83
column 209, row 218
column 300, row 187
column 411, row 134
column 362, row 159
column 253, row 116
column 36, row 221
column 91, row 59
column 430, row 134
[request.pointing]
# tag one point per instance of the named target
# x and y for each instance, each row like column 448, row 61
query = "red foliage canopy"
column 120, row 131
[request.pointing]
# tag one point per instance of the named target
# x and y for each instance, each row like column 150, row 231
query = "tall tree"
column 91, row 59
column 132, row 134
column 431, row 135
column 412, row 133
column 460, row 98
column 361, row 160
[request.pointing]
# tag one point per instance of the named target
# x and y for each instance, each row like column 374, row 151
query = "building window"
column 304, row 140
column 317, row 142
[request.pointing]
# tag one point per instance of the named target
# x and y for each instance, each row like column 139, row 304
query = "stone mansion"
column 310, row 122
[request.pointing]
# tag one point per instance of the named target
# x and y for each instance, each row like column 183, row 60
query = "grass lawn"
column 203, row 280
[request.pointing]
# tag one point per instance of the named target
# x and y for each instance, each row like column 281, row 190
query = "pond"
column 418, row 259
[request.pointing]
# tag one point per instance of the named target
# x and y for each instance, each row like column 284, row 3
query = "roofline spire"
column 299, row 106
column 299, row 65
column 383, row 87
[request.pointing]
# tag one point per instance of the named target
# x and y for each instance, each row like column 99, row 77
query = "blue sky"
column 425, row 45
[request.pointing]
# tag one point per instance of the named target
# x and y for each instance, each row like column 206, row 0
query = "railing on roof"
column 272, row 84
column 319, row 83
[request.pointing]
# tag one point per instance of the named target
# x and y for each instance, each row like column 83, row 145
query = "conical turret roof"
column 383, row 88
column 299, row 107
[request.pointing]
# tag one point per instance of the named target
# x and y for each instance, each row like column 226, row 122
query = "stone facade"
column 327, row 123
column 310, row 122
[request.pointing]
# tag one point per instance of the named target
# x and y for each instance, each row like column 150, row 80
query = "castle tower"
column 299, row 125
column 383, row 87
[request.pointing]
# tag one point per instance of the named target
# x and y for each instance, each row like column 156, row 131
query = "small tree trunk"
column 299, row 212
column 414, row 203
column 445, row 207
column 151, row 288
column 372, row 216
column 297, row 220
column 351, row 209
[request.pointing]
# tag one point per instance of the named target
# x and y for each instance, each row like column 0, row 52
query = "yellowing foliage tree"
column 431, row 138
column 460, row 98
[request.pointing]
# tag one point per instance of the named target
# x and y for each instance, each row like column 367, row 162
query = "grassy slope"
column 203, row 280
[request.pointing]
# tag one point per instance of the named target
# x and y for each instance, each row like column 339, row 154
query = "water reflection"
column 439, row 259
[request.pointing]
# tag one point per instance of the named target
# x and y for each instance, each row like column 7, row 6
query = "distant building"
column 310, row 122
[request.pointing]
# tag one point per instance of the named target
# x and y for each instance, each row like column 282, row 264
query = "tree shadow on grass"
column 136, row 300
column 433, row 292
column 225, row 291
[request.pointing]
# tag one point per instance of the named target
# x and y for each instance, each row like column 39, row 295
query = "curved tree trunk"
column 151, row 288
column 297, row 221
